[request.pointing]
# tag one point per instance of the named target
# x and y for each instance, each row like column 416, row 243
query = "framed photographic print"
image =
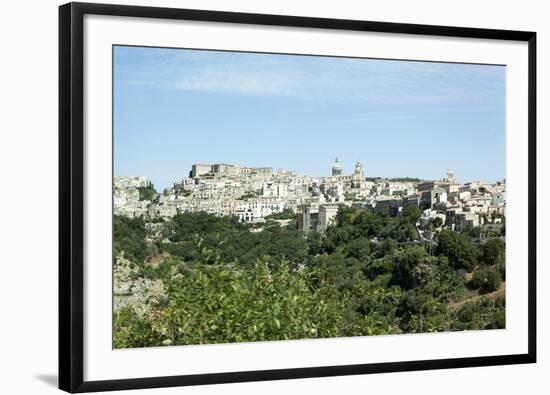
column 251, row 197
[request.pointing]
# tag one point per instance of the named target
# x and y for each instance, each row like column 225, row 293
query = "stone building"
column 254, row 193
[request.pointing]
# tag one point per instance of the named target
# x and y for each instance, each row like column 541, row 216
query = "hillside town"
column 340, row 255
column 254, row 194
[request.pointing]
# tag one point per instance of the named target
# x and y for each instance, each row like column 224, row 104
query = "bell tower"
column 359, row 173
column 450, row 176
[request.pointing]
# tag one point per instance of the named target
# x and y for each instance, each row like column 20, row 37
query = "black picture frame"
column 71, row 195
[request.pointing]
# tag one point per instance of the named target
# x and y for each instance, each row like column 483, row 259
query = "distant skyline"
column 175, row 107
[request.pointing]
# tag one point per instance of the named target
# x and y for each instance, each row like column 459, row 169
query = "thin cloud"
column 419, row 113
column 311, row 78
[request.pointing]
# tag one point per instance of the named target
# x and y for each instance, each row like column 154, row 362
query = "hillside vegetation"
column 217, row 282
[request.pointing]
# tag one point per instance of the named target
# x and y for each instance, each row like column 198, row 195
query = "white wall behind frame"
column 28, row 152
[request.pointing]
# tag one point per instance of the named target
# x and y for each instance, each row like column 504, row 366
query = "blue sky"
column 176, row 107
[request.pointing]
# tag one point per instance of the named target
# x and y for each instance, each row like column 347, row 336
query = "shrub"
column 486, row 279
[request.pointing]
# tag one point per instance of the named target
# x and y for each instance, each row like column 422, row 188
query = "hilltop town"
column 254, row 194
column 207, row 259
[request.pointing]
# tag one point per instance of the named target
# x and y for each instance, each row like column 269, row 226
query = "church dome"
column 336, row 168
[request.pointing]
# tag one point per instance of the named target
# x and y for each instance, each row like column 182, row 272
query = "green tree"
column 459, row 249
column 225, row 281
column 215, row 304
column 411, row 214
column 422, row 312
column 493, row 252
column 286, row 214
column 486, row 279
column 147, row 193
column 413, row 267
column 485, row 313
column 129, row 238
column 358, row 248
column 437, row 222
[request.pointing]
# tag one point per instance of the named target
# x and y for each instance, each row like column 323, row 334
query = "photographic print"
column 268, row 197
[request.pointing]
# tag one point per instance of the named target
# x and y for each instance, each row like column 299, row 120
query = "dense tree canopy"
column 368, row 274
column 129, row 238
column 493, row 252
column 458, row 248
